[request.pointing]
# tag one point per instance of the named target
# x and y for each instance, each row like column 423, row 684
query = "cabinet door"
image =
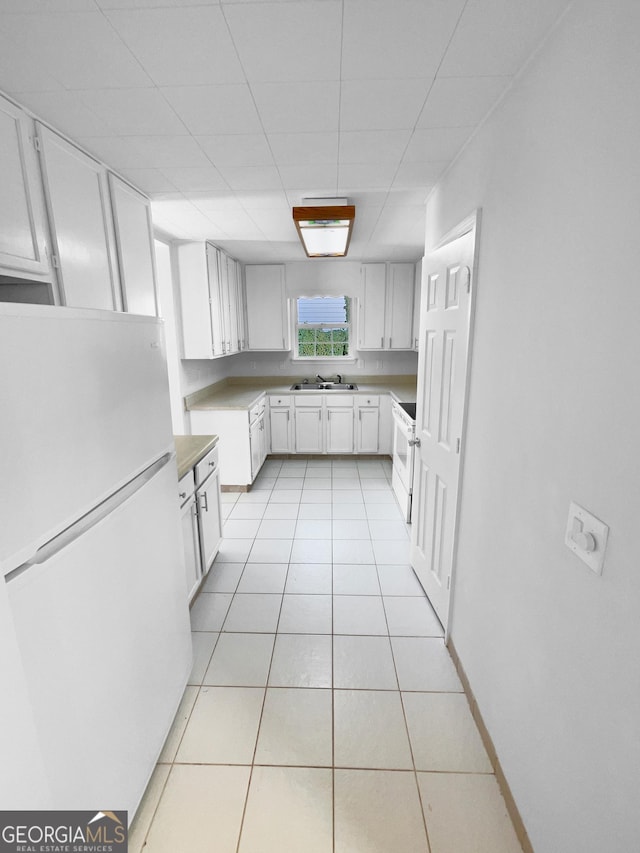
column 240, row 305
column 368, row 430
column 134, row 243
column 81, row 225
column 217, row 296
column 22, row 223
column 194, row 301
column 339, row 430
column 257, row 441
column 400, row 289
column 417, row 298
column 267, row 308
column 233, row 338
column 280, row 419
column 371, row 314
column 191, row 544
column 208, row 496
column 309, row 429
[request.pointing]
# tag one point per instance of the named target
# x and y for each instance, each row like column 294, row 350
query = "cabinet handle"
column 359, row 414
column 212, row 464
column 288, row 413
column 319, row 414
column 283, row 343
column 389, row 343
column 182, row 495
column 205, row 501
column 382, row 342
column 415, row 343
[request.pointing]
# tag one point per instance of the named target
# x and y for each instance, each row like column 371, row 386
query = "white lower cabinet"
column 309, row 426
column 258, row 444
column 191, row 542
column 340, row 427
column 242, row 446
column 199, row 493
column 367, row 425
column 280, row 421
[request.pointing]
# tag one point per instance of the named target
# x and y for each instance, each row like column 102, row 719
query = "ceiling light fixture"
column 324, row 227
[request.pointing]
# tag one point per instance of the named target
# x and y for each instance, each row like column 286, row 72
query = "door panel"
column 442, row 372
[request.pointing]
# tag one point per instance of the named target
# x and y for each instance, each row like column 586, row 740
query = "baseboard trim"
column 510, row 803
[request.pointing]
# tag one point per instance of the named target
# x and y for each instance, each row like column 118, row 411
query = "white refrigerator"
column 95, row 645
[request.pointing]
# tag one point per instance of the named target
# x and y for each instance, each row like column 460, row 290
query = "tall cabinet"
column 212, row 301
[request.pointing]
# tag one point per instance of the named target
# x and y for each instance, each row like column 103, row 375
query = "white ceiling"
column 229, row 112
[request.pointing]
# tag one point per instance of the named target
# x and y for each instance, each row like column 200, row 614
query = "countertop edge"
column 190, row 449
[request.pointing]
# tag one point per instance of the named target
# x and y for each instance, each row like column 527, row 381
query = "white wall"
column 551, row 649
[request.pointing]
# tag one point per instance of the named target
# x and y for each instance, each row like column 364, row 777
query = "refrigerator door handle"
column 93, row 517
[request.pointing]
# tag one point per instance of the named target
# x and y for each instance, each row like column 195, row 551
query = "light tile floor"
column 323, row 713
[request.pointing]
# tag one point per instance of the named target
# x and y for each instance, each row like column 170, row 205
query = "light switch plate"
column 581, row 521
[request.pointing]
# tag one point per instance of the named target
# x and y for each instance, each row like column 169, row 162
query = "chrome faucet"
column 339, row 378
column 319, row 378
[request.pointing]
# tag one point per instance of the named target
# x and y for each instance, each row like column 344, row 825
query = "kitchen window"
column 323, row 326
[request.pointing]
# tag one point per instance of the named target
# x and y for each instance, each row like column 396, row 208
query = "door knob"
column 414, row 442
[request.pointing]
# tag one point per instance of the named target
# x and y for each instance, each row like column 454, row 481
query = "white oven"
column 404, row 431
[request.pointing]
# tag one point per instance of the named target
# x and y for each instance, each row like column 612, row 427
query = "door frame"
column 469, row 223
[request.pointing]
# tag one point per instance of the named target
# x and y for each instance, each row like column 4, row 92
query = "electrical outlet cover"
column 579, row 524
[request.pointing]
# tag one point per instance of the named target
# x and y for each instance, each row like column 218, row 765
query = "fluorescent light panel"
column 325, row 231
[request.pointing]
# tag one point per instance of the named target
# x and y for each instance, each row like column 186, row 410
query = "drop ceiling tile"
column 180, row 46
column 134, row 112
column 215, row 203
column 369, row 175
column 79, row 49
column 396, row 40
column 480, row 47
column 199, row 178
column 401, row 228
column 302, row 176
column 287, row 41
column 148, row 180
column 373, row 146
column 39, row 6
column 403, row 197
column 20, row 73
column 461, row 101
column 411, row 175
column 274, row 225
column 116, row 151
column 381, row 104
column 215, row 110
column 237, row 149
column 251, row 177
column 264, row 199
column 438, row 143
column 66, row 112
column 298, row 107
column 169, row 152
column 300, row 149
column 147, row 4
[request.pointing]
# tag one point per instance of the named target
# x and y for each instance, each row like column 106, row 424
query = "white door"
column 309, row 430
column 442, row 373
column 280, row 430
column 368, row 420
column 371, row 313
column 210, row 519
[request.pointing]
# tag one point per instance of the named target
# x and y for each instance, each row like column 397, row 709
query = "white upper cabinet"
column 77, row 194
column 267, row 307
column 371, row 317
column 385, row 317
column 134, row 239
column 211, row 301
column 22, row 221
column 417, row 298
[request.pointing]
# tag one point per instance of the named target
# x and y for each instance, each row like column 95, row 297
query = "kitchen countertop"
column 242, row 393
column 190, row 449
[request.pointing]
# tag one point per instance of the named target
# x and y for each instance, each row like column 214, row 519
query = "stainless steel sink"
column 324, row 386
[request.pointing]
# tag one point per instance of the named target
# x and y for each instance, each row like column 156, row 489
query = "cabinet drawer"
column 186, row 487
column 206, row 465
column 314, row 400
column 340, row 401
column 367, row 401
column 256, row 410
column 279, row 401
